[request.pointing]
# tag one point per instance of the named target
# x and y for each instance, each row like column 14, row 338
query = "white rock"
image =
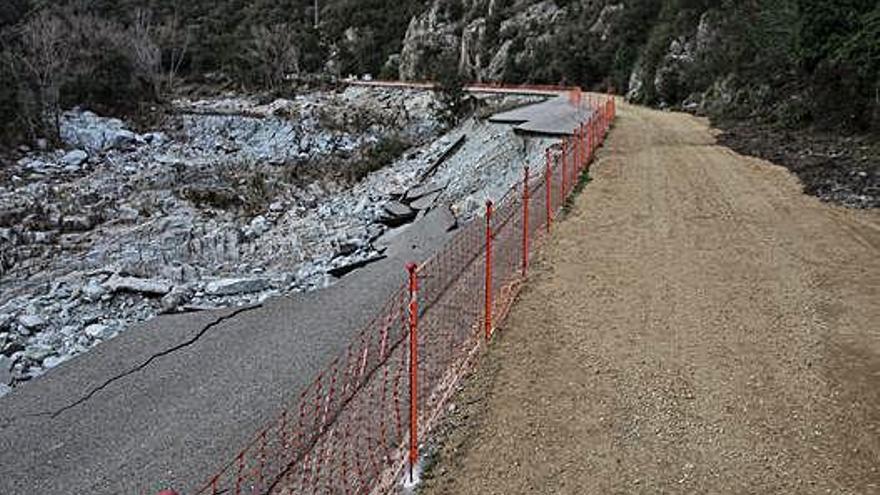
column 31, row 322
column 98, row 331
column 4, row 389
column 232, row 286
column 153, row 287
column 93, row 291
column 75, row 158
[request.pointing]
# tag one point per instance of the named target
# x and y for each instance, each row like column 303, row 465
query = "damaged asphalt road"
column 187, row 391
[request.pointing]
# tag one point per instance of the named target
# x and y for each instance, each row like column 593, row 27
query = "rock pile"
column 210, row 212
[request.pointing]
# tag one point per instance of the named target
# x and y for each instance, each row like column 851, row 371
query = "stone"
column 175, row 299
column 93, row 291
column 76, row 223
column 38, row 353
column 234, row 286
column 4, row 389
column 260, row 225
column 75, row 158
column 31, row 322
column 149, row 287
column 53, row 361
column 99, row 331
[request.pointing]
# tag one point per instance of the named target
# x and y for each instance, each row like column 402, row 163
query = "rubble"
column 232, row 201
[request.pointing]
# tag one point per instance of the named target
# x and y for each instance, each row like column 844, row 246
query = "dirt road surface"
column 695, row 325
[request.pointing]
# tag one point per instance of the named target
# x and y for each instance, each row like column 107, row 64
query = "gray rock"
column 75, row 158
column 76, row 223
column 260, row 225
column 31, row 322
column 4, row 389
column 93, row 291
column 99, row 331
column 149, row 287
column 53, row 361
column 38, row 353
column 233, row 286
column 175, row 299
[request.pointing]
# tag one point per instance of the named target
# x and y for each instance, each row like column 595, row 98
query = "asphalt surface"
column 170, row 401
column 555, row 117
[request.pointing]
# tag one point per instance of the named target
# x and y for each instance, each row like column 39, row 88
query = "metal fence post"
column 564, row 166
column 488, row 309
column 548, row 179
column 413, row 368
column 525, row 240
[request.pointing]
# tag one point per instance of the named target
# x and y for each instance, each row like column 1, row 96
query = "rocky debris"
column 147, row 287
column 96, row 251
column 4, row 389
column 234, row 286
column 84, row 129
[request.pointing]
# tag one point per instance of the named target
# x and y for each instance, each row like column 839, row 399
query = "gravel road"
column 696, row 325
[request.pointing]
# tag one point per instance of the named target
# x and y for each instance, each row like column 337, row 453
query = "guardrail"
column 359, row 425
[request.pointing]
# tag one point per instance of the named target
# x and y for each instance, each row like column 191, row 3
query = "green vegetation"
column 796, row 63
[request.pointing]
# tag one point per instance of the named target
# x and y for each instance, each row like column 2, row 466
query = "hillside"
column 803, row 65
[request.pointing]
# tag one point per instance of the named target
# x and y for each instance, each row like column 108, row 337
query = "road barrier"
column 361, row 422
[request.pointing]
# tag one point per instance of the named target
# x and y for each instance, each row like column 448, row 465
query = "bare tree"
column 275, row 53
column 174, row 41
column 44, row 56
column 146, row 54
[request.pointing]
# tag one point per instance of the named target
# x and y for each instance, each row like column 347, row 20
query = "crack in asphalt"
column 141, row 366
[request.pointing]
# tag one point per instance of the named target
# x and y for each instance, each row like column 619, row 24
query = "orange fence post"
column 525, row 239
column 564, row 167
column 488, row 309
column 413, row 368
column 548, row 178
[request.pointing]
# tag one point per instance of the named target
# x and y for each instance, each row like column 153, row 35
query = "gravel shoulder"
column 695, row 325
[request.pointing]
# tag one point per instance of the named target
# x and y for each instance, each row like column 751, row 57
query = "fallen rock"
column 93, row 291
column 75, row 158
column 233, row 286
column 150, row 287
column 37, row 353
column 99, row 331
column 4, row 389
column 31, row 322
column 76, row 223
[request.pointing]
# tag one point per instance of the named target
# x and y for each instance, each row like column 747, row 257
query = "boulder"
column 37, row 353
column 75, row 158
column 77, row 223
column 98, row 331
column 31, row 322
column 233, row 286
column 149, row 287
column 4, row 389
column 93, row 291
